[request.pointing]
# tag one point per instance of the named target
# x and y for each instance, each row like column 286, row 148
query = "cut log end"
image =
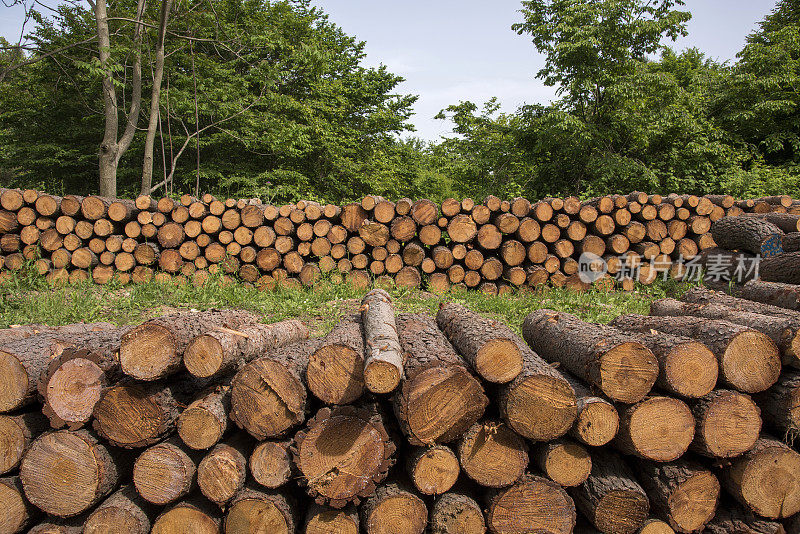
column 728, row 425
column 628, row 372
column 656, row 526
column 435, row 470
column 691, row 369
column 203, row 356
column 532, row 505
column 769, row 482
column 257, row 515
column 146, row 351
column 456, row 513
column 621, row 512
column 565, row 463
column 198, row 428
column 693, row 502
column 492, row 454
column 74, row 390
column 271, row 464
column 659, row 429
column 186, row 517
column 331, row 521
column 14, row 382
column 498, row 361
column 336, row 374
column 751, row 362
column 381, row 377
column 14, row 512
column 541, row 407
column 597, row 424
column 163, row 474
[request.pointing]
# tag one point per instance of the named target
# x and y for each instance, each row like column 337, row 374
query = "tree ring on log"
column 256, row 515
column 336, row 374
column 541, row 407
column 13, row 382
column 627, row 372
column 146, row 350
column 75, row 389
column 742, row 370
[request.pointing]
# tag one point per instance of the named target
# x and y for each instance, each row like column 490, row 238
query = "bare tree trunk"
column 111, row 148
column 155, row 100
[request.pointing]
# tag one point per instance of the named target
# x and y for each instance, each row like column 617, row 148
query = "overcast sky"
column 453, row 50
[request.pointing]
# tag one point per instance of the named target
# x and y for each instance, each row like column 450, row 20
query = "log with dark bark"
column 456, row 513
column 766, row 479
column 748, row 360
column 683, row 493
column 383, row 362
column 750, row 234
column 343, row 453
column 439, row 398
column 432, row 470
column 657, row 428
column 597, row 421
column 221, row 349
column 257, row 510
column 335, row 373
column 784, row 332
column 533, row 504
column 132, row 414
column 727, row 423
column 394, row 508
column 623, row 369
column 701, row 295
column 780, row 405
column 164, row 473
column 781, row 268
column 611, row 498
column 563, row 461
column 155, row 348
column 268, row 395
column 486, row 347
column 65, row 473
column 492, row 454
column 773, row 293
column 731, row 518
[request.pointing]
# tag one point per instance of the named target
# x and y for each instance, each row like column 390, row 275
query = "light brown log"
column 749, row 361
column 223, row 471
column 492, row 454
column 433, row 470
column 462, row 228
column 155, row 348
column 493, row 356
column 336, row 369
column 533, row 504
column 408, row 276
column 271, row 463
column 202, row 424
column 343, row 453
column 657, row 428
column 563, row 461
column 727, row 424
column 268, row 396
column 255, row 510
column 194, row 515
column 163, row 473
column 621, row 367
column 65, row 473
column 489, row 237
column 16, row 513
column 383, row 360
column 766, row 479
column 220, row 349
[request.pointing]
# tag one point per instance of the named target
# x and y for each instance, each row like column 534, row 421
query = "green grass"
column 28, row 298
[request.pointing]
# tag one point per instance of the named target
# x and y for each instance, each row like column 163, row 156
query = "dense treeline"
column 270, row 99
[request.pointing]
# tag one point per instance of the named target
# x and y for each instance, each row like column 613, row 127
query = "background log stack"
column 206, row 422
column 492, row 245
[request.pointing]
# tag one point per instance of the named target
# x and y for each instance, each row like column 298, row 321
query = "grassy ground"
column 27, row 298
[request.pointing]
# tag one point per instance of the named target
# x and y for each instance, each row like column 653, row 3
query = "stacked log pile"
column 212, row 422
column 492, row 245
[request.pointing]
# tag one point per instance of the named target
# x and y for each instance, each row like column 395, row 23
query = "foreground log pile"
column 492, row 245
column 212, row 422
